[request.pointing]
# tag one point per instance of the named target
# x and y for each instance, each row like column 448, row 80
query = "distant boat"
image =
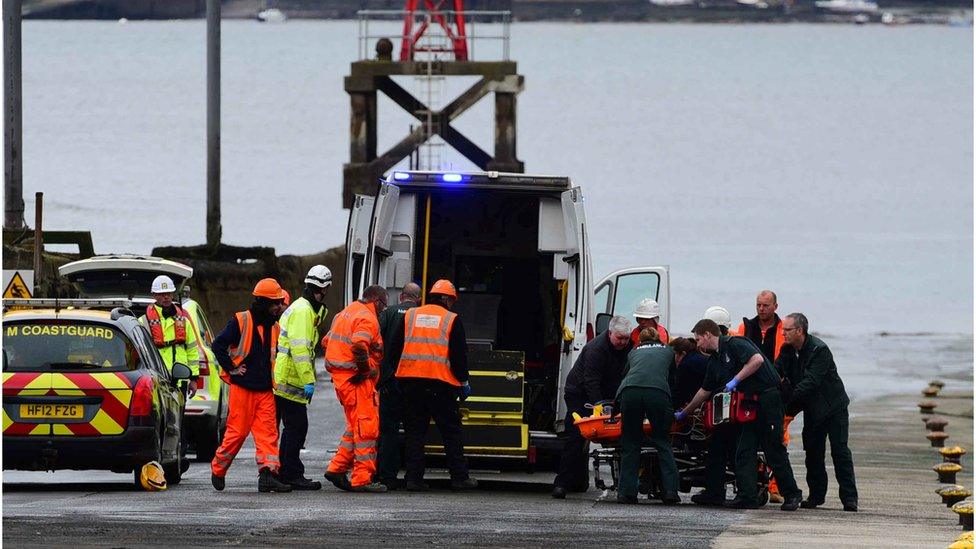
column 271, row 15
column 848, row 6
column 759, row 4
column 672, row 2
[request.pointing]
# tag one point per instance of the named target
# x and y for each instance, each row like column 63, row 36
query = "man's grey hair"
column 800, row 321
column 619, row 325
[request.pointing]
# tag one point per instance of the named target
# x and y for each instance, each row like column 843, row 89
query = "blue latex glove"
column 680, row 415
column 731, row 385
column 465, row 391
column 309, row 390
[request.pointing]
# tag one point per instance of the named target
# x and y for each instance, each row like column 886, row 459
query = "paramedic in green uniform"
column 646, row 392
column 752, row 375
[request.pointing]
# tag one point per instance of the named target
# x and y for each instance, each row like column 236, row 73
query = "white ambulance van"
column 517, row 247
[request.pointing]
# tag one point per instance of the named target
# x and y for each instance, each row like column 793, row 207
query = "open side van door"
column 620, row 292
column 357, row 244
column 578, row 316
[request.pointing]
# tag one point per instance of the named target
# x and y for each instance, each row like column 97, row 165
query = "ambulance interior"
column 487, row 243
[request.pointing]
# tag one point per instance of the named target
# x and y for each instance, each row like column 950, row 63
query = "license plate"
column 52, row 411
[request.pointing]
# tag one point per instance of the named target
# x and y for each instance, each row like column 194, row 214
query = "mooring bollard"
column 947, row 472
column 937, row 438
column 965, row 511
column 930, row 391
column 952, row 455
column 937, row 383
column 927, row 406
column 936, row 423
column 953, row 494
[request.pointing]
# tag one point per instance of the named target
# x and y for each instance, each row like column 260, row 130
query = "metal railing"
column 436, row 41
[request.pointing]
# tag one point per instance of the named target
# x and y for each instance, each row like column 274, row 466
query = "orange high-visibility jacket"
column 426, row 344
column 243, row 348
column 662, row 334
column 356, row 324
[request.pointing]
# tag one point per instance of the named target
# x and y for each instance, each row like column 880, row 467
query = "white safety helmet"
column 163, row 284
column 719, row 315
column 648, row 308
column 319, row 275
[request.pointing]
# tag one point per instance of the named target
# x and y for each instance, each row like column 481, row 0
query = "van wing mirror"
column 602, row 322
column 181, row 372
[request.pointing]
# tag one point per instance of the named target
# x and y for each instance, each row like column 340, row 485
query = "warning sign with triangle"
column 17, row 288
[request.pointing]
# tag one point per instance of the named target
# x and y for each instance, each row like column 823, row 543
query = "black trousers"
column 636, row 403
column 391, row 417
column 721, row 453
column 765, row 432
column 423, row 400
column 294, row 418
column 815, row 438
column 573, row 474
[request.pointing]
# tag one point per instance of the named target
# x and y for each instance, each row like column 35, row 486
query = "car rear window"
column 66, row 346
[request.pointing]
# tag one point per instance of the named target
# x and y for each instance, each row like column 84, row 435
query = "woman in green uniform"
column 646, row 392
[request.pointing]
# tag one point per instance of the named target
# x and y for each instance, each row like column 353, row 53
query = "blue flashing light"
column 401, row 176
column 451, row 178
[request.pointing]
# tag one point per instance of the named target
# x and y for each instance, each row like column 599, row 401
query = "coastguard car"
column 85, row 388
column 130, row 276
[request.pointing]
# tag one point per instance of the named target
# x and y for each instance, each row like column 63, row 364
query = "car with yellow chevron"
column 85, row 388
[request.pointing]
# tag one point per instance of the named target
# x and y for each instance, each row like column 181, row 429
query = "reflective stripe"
column 283, row 350
column 238, row 353
column 432, row 358
column 346, row 445
column 367, row 335
column 291, row 390
column 342, row 338
column 370, row 457
column 220, row 460
column 431, row 340
column 366, row 444
column 342, row 365
column 299, row 343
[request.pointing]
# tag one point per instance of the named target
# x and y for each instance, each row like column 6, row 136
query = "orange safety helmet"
column 444, row 287
column 287, row 297
column 269, row 288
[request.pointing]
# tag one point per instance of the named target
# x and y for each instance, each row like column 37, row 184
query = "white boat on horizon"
column 848, row 6
column 271, row 15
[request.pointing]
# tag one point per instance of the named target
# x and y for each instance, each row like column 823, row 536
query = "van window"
column 58, row 345
column 632, row 288
column 601, row 298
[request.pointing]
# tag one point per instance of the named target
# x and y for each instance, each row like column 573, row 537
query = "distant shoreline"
column 594, row 11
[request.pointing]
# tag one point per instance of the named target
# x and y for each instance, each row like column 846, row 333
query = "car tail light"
column 533, row 454
column 142, row 401
column 204, row 368
column 589, row 331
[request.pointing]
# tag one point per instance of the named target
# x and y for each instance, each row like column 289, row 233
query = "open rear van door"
column 576, row 322
column 380, row 234
column 357, row 243
column 620, row 292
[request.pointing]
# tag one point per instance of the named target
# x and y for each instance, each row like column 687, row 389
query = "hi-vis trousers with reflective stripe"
column 249, row 412
column 357, row 447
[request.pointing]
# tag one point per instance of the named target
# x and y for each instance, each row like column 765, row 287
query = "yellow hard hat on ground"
column 152, row 477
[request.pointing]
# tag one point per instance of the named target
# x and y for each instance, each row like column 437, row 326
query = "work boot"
column 302, row 483
column 373, row 488
column 627, row 500
column 392, row 484
column 707, row 498
column 671, row 498
column 465, row 484
column 792, row 503
column 339, row 480
column 739, row 503
column 558, row 492
column 218, row 482
column 850, row 505
column 416, row 486
column 810, row 504
column 268, row 482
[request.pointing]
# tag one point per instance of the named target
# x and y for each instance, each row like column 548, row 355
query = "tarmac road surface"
column 82, row 508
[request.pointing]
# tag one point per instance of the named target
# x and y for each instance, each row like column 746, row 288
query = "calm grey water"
column 831, row 163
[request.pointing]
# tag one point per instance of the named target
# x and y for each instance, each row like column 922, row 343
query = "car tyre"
column 174, row 471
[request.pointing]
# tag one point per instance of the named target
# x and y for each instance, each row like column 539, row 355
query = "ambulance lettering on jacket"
column 427, row 321
column 58, row 330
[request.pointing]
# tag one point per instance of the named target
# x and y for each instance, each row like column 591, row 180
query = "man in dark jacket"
column 391, row 400
column 819, row 393
column 245, row 349
column 763, row 329
column 595, row 377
